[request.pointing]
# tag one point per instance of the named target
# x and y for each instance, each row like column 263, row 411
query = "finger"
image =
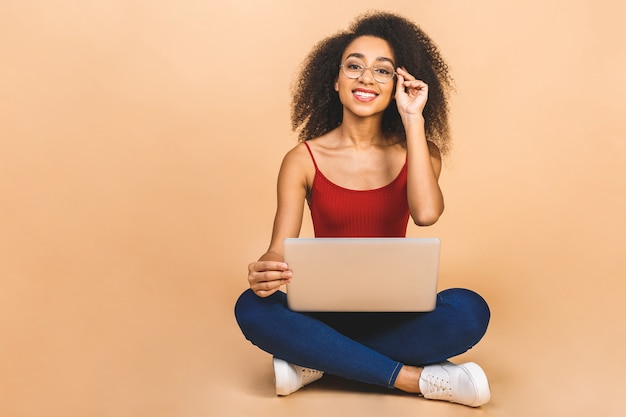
column 405, row 74
column 399, row 85
column 269, row 276
column 268, row 286
column 416, row 87
column 277, row 275
column 263, row 290
column 263, row 293
column 261, row 266
column 415, row 83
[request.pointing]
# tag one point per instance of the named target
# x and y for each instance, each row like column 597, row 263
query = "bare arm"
column 270, row 272
column 424, row 194
column 424, row 162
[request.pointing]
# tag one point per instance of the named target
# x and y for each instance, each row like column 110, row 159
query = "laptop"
column 362, row 274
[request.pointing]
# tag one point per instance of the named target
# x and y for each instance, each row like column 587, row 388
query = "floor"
column 167, row 350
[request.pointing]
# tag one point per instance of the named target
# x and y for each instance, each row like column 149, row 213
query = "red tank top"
column 341, row 212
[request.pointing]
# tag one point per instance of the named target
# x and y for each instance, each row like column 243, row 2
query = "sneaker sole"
column 476, row 373
column 281, row 374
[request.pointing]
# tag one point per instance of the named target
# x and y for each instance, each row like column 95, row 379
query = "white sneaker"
column 464, row 384
column 290, row 378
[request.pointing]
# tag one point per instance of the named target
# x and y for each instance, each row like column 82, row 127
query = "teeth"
column 364, row 94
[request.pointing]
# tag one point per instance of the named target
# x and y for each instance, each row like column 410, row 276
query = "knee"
column 473, row 311
column 253, row 312
column 244, row 309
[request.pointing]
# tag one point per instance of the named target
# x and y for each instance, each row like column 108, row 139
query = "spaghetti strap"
column 312, row 157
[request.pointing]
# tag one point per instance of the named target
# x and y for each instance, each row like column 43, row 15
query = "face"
column 364, row 95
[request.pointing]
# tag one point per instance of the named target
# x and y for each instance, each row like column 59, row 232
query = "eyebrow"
column 360, row 55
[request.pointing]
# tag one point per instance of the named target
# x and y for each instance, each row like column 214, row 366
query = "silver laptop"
column 362, row 274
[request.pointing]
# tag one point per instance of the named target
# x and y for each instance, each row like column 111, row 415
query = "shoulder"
column 305, row 153
column 298, row 155
column 297, row 165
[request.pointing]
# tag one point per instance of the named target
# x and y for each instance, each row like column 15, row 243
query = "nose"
column 370, row 75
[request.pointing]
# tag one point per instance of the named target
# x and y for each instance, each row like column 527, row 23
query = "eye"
column 354, row 66
column 383, row 70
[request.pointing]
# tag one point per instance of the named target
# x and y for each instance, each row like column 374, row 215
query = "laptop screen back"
column 362, row 274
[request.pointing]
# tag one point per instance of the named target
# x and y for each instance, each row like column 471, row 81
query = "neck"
column 362, row 132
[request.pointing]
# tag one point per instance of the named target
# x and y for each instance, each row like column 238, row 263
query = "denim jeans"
column 366, row 347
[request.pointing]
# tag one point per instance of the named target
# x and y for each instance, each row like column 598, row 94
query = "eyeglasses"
column 383, row 72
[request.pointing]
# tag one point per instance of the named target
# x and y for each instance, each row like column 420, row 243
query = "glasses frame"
column 343, row 69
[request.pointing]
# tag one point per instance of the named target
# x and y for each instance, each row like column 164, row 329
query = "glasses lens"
column 383, row 73
column 353, row 68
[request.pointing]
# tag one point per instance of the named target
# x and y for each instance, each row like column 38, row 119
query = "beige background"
column 139, row 145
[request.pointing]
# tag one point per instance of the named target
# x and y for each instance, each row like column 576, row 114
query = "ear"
column 337, row 84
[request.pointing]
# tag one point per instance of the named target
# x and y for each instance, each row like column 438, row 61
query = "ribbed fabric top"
column 341, row 212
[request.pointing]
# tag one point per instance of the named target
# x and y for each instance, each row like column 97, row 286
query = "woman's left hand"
column 411, row 94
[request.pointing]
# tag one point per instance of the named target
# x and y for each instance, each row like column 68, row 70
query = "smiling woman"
column 369, row 161
column 355, row 85
column 410, row 48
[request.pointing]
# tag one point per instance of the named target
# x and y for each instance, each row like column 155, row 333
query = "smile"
column 364, row 95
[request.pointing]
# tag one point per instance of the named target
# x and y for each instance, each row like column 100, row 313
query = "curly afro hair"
column 315, row 107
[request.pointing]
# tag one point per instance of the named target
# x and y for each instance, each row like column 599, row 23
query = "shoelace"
column 437, row 387
column 307, row 374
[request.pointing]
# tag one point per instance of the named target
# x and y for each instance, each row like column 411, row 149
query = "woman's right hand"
column 266, row 277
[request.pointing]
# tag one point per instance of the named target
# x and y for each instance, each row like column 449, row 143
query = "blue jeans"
column 366, row 347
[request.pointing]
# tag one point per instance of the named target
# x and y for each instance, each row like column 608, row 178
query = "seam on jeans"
column 392, row 375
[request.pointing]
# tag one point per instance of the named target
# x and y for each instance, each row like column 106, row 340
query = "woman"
column 372, row 137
